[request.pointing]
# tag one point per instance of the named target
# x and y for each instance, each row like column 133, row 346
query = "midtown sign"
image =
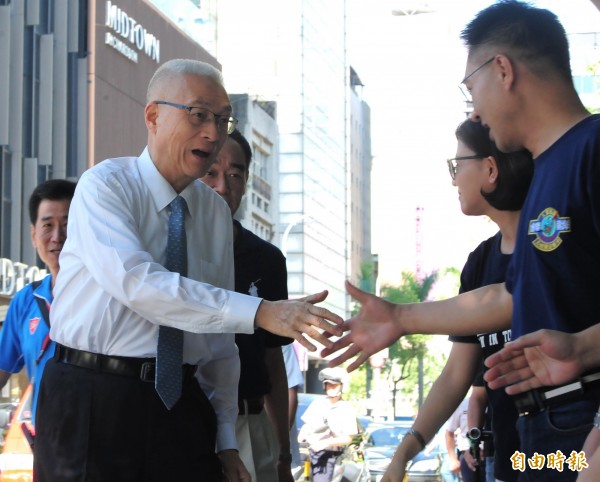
column 15, row 275
column 137, row 38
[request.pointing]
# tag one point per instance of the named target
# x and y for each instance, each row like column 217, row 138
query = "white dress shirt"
column 292, row 367
column 113, row 292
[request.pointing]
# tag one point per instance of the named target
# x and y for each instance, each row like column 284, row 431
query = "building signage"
column 128, row 28
column 15, row 275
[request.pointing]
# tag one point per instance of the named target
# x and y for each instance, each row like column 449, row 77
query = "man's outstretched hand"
column 371, row 330
column 299, row 319
column 545, row 357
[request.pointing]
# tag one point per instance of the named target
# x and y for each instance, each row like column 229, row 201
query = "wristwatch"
column 597, row 420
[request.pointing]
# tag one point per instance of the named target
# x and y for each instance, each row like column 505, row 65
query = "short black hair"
column 53, row 190
column 238, row 137
column 515, row 169
column 532, row 35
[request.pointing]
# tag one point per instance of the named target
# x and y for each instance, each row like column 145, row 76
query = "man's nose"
column 210, row 130
column 220, row 185
column 59, row 233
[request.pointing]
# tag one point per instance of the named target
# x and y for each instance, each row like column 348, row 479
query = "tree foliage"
column 405, row 356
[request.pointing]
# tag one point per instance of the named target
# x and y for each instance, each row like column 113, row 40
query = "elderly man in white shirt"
column 100, row 416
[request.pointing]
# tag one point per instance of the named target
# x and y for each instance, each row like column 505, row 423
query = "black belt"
column 254, row 405
column 540, row 399
column 142, row 368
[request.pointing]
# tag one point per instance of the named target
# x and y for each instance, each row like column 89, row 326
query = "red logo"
column 33, row 324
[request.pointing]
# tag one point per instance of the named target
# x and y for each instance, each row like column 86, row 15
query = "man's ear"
column 151, row 117
column 507, row 70
column 492, row 169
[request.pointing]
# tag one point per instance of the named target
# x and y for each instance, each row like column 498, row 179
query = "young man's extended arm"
column 445, row 396
column 379, row 323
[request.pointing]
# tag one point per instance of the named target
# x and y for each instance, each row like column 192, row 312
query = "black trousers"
column 99, row 427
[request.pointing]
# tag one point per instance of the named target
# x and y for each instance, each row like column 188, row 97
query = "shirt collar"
column 161, row 192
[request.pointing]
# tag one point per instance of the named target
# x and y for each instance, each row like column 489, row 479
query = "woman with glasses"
column 493, row 184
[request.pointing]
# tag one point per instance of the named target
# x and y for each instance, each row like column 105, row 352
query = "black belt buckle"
column 148, row 372
column 529, row 403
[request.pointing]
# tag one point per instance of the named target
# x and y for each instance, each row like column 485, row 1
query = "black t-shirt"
column 259, row 271
column 487, row 265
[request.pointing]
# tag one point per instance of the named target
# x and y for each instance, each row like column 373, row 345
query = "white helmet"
column 335, row 375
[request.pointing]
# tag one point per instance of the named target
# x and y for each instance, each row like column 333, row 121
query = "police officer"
column 329, row 424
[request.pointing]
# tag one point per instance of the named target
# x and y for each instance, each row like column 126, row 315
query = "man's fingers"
column 516, row 348
column 523, row 386
column 337, row 345
column 315, row 297
column 305, row 343
column 345, row 326
column 497, row 378
column 351, row 352
column 507, row 355
column 326, row 320
column 325, row 313
column 318, row 336
column 358, row 361
column 358, row 294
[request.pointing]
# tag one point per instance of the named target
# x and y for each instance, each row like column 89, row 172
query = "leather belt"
column 539, row 399
column 251, row 406
column 142, row 368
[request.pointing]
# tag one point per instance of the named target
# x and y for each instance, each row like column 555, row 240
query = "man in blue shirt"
column 24, row 339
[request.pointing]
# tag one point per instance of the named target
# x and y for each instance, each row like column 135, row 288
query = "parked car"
column 381, row 441
column 426, row 466
column 363, row 422
column 16, row 459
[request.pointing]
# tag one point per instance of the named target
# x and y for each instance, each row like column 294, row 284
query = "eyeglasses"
column 199, row 116
column 463, row 88
column 453, row 164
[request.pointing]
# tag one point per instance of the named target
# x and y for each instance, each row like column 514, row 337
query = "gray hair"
column 178, row 68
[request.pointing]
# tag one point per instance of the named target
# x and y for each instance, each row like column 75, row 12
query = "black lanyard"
column 43, row 306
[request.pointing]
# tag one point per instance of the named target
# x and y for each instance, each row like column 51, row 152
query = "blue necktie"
column 169, row 352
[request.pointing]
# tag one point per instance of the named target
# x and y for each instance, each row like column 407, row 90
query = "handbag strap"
column 45, row 315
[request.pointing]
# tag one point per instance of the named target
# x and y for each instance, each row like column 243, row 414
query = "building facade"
column 362, row 262
column 295, row 54
column 257, row 121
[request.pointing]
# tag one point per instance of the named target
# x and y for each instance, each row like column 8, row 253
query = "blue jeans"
column 489, row 469
column 563, row 428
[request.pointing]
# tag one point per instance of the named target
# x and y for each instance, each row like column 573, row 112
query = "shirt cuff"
column 226, row 437
column 240, row 312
